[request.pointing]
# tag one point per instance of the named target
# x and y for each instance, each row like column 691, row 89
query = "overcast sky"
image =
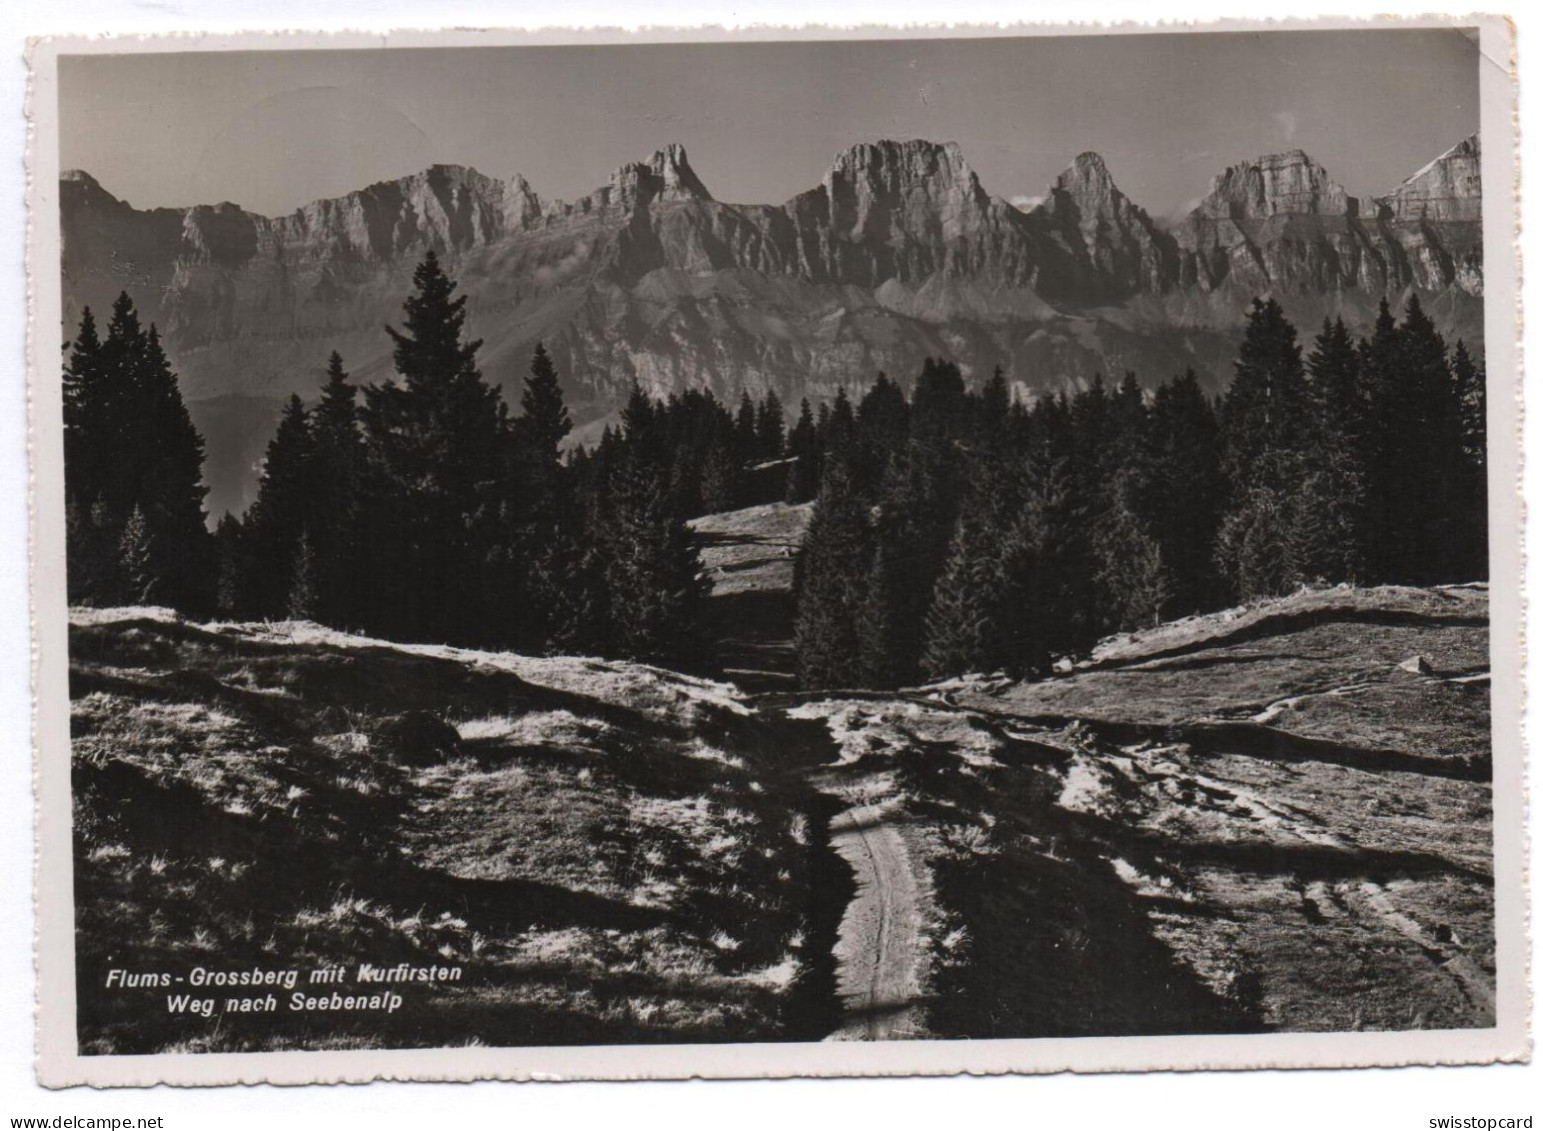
column 761, row 122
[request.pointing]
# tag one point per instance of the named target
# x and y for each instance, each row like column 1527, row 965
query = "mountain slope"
column 1260, row 819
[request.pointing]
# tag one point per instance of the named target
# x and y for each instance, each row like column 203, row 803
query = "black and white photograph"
column 778, row 546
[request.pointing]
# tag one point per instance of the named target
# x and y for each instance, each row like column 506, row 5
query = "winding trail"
column 879, row 950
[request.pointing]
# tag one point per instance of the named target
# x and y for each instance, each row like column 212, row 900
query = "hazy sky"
column 761, row 122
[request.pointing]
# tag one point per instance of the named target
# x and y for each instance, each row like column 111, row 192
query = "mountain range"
column 899, row 253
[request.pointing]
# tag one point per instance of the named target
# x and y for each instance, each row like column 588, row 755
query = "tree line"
column 953, row 529
column 417, row 509
column 962, row 530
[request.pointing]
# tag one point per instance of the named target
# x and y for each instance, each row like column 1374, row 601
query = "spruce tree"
column 130, row 444
column 721, row 486
column 962, row 623
column 1468, row 385
column 885, row 637
column 1331, row 532
column 641, row 426
column 438, row 443
column 883, row 427
column 301, row 603
column 282, row 511
column 90, row 550
column 545, row 421
column 85, row 442
column 334, row 510
column 233, row 573
column 138, row 580
column 804, row 448
column 655, row 574
column 995, row 409
column 1128, row 416
column 1186, row 492
column 1266, row 407
column 939, row 406
column 746, row 434
column 170, row 484
column 570, row 584
column 1267, row 425
column 1254, row 542
column 1134, row 580
column 838, row 440
column 1379, row 364
column 830, row 582
column 1423, row 528
column 539, row 432
column 770, row 427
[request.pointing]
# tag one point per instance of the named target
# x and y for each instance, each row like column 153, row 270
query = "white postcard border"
column 60, row 1065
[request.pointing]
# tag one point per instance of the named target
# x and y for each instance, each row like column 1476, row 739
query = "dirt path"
column 879, row 947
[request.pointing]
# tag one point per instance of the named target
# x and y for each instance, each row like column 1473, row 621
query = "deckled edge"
column 78, row 1071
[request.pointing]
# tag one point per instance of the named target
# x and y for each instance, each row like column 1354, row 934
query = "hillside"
column 608, row 852
column 1252, row 820
column 1270, row 818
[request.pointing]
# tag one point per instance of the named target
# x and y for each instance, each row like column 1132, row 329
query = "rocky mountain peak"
column 896, row 166
column 680, row 180
column 1087, row 189
column 1089, row 215
column 79, row 188
column 1087, row 171
column 1450, row 188
column 880, row 189
column 522, row 207
column 1277, row 183
column 667, row 176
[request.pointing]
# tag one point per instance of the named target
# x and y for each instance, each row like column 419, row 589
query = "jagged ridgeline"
column 899, row 254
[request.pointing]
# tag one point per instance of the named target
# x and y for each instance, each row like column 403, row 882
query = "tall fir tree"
column 138, row 579
column 995, row 409
column 130, row 445
column 539, row 431
column 1186, row 491
column 770, row 427
column 283, row 510
column 1135, row 582
column 1266, row 406
column 721, row 475
column 830, row 581
column 1469, row 386
column 655, row 574
column 1423, row 526
column 1331, row 535
column 1379, row 366
column 804, row 448
column 940, row 410
column 438, row 443
column 746, row 434
column 886, row 637
column 1266, row 425
column 342, row 562
column 301, row 601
